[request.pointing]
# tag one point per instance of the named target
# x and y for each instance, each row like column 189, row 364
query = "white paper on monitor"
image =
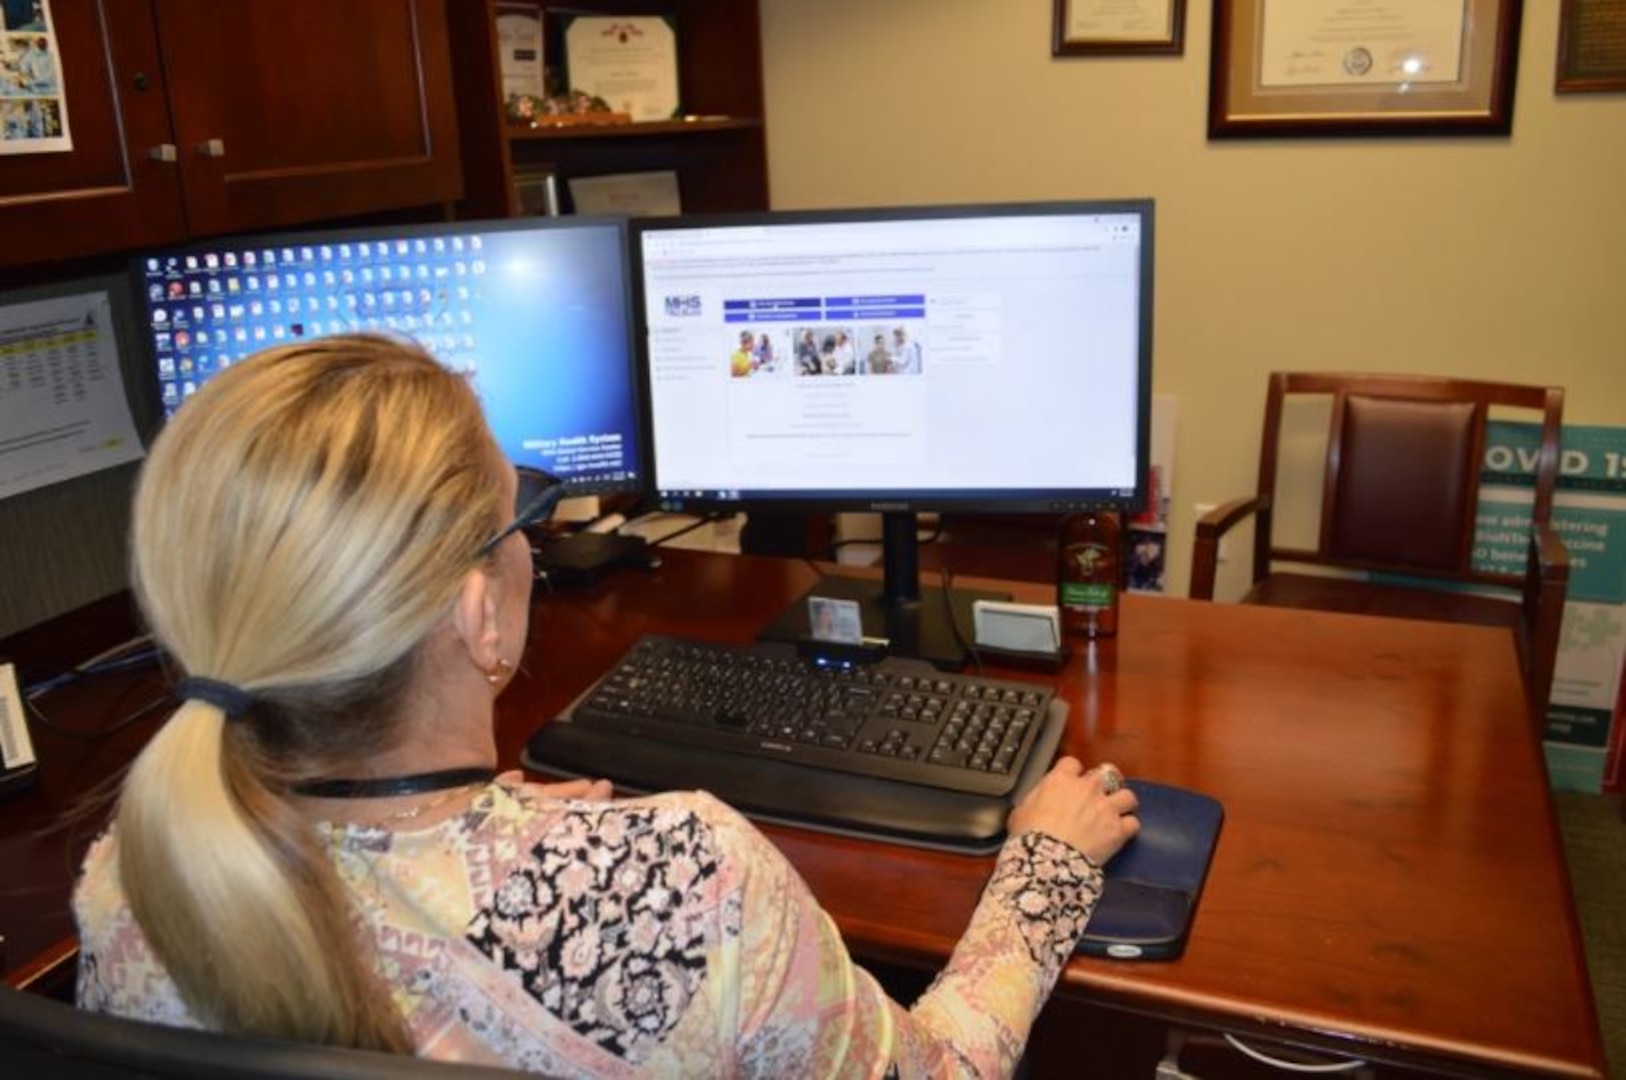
column 63, row 412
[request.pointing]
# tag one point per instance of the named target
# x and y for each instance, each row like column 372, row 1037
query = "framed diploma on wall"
column 1363, row 67
column 1118, row 27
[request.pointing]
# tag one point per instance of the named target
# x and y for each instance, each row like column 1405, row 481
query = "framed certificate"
column 629, row 61
column 1118, row 27
column 1359, row 67
column 1591, row 46
column 519, row 41
column 644, row 194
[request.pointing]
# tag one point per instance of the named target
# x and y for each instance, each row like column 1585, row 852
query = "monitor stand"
column 931, row 623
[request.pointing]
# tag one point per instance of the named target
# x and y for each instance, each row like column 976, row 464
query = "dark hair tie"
column 231, row 700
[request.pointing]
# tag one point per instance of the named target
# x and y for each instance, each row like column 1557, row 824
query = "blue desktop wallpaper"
column 536, row 311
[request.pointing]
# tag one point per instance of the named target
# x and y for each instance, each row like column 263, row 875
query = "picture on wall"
column 1306, row 68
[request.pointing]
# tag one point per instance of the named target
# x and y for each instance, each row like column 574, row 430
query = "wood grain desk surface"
column 1389, row 881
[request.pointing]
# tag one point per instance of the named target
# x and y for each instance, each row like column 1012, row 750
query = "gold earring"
column 496, row 674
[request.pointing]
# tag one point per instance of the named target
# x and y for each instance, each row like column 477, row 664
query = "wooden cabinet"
column 289, row 112
column 196, row 117
column 108, row 192
column 720, row 156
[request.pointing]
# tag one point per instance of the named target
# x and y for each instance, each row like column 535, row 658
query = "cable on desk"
column 1293, row 1066
column 135, row 653
column 946, row 578
column 33, row 709
column 705, row 519
column 114, row 659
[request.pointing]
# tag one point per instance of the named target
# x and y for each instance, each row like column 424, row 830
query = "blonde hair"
column 300, row 527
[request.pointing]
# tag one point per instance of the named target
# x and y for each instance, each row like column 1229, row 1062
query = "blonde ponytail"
column 242, row 889
column 300, row 527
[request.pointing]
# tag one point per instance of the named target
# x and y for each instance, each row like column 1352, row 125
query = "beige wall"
column 1489, row 257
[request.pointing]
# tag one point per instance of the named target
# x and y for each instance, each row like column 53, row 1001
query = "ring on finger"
column 1111, row 779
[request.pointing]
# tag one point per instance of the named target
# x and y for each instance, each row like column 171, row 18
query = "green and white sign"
column 1589, row 514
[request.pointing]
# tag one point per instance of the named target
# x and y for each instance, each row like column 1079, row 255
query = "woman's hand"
column 1091, row 810
column 584, row 790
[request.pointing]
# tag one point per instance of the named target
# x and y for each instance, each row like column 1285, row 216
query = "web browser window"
column 952, row 355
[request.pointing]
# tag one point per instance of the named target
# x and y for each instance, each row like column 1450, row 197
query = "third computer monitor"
column 988, row 358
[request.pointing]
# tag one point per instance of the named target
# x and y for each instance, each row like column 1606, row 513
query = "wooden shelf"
column 721, row 161
column 543, row 132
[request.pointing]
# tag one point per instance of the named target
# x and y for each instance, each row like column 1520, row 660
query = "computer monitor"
column 966, row 358
column 535, row 310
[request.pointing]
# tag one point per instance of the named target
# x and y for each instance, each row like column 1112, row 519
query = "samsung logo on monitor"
column 890, row 507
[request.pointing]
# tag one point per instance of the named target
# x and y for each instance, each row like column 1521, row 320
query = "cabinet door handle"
column 163, row 152
column 213, row 148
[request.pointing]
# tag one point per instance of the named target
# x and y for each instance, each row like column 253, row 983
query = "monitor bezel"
column 1003, row 500
column 351, row 233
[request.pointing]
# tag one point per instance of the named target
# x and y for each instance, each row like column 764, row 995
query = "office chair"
column 1400, row 491
column 42, row 1038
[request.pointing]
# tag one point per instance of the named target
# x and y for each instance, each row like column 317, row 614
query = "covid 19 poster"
column 1583, row 737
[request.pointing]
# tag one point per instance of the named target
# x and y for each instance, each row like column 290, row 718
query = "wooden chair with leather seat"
column 1399, row 496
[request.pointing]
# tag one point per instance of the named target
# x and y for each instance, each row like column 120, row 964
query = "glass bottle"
column 1089, row 573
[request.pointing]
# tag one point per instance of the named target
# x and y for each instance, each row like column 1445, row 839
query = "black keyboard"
column 797, row 781
column 894, row 720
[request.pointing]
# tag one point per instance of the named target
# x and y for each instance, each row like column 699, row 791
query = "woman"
column 807, row 354
column 316, row 845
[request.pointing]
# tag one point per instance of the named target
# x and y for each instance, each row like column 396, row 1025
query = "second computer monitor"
column 980, row 358
column 536, row 311
column 988, row 358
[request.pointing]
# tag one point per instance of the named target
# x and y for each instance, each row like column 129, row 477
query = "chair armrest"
column 1220, row 520
column 1210, row 528
column 1546, row 580
column 1549, row 558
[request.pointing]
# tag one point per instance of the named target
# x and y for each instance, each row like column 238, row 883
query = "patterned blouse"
column 660, row 936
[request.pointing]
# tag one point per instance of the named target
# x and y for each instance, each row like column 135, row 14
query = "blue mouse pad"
column 1153, row 884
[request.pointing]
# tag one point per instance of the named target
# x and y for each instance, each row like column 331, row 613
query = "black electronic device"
column 895, row 750
column 536, row 311
column 580, row 558
column 960, row 358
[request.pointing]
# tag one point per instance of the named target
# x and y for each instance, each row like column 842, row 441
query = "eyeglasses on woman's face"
column 535, row 497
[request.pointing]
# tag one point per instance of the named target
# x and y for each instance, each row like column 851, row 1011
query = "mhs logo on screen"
column 683, row 305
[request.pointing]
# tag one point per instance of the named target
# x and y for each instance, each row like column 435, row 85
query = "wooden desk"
column 1389, row 882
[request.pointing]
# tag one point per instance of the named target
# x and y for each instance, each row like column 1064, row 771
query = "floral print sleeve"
column 807, row 1010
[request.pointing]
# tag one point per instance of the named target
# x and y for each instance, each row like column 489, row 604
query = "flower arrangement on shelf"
column 562, row 110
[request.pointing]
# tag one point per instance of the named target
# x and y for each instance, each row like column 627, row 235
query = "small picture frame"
column 1118, row 28
column 536, row 191
column 1591, row 46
